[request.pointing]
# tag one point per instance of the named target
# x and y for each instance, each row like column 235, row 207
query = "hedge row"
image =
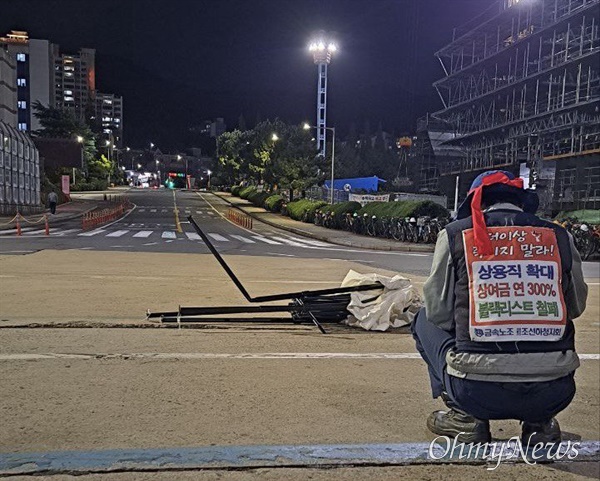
column 269, row 201
column 304, row 209
column 401, row 209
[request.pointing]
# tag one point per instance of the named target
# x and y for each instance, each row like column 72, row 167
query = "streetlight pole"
column 322, row 48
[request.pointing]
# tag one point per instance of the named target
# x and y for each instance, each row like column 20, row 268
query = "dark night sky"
column 178, row 62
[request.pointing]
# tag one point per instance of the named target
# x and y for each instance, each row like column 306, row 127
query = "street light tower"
column 322, row 48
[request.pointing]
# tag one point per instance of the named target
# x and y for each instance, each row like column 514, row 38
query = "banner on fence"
column 366, row 198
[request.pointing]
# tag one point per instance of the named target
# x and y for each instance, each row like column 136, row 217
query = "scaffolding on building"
column 522, row 85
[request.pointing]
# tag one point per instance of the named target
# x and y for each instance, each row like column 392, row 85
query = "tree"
column 234, row 154
column 62, row 124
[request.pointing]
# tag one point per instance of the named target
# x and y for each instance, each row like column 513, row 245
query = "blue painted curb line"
column 247, row 457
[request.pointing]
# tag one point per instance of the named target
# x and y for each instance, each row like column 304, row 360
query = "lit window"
column 107, row 101
column 21, row 57
column 69, row 99
column 68, row 92
column 22, row 104
column 22, row 126
column 21, row 82
column 68, row 74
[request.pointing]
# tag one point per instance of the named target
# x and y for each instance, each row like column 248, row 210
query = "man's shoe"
column 544, row 432
column 458, row 424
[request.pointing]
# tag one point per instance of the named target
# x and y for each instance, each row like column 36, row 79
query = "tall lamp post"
column 331, row 190
column 322, row 48
column 208, row 184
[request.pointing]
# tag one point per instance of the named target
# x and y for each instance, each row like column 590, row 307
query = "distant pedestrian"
column 52, row 200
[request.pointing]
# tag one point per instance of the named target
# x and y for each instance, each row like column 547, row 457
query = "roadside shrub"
column 304, row 209
column 91, row 184
column 409, row 208
column 258, row 198
column 274, row 203
column 235, row 190
column 246, row 191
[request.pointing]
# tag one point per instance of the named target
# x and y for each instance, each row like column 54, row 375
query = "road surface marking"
column 243, row 239
column 198, row 212
column 309, row 241
column 289, row 242
column 193, row 236
column 152, row 210
column 141, row 210
column 64, row 232
column 25, row 356
column 169, row 235
column 267, row 241
column 14, row 230
column 163, row 211
column 151, row 244
column 210, row 213
column 92, row 233
column 218, row 237
column 117, row 233
column 40, row 231
column 143, row 233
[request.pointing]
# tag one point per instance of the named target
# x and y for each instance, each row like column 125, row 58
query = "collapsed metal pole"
column 316, row 307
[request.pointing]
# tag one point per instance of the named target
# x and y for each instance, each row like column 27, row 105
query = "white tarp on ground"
column 378, row 310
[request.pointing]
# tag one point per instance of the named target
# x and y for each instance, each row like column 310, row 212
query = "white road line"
column 92, row 233
column 41, row 231
column 143, row 233
column 218, row 237
column 152, row 210
column 198, row 212
column 210, row 213
column 193, row 236
column 141, row 210
column 311, row 242
column 117, row 233
column 289, row 242
column 243, row 239
column 169, row 235
column 14, row 230
column 151, row 244
column 266, row 240
column 163, row 211
column 64, row 232
column 213, row 355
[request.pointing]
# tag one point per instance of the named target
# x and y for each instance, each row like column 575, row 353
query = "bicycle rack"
column 316, row 307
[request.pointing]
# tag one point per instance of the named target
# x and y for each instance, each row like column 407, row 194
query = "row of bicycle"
column 585, row 236
column 409, row 229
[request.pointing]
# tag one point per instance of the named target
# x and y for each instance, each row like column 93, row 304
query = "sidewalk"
column 334, row 236
column 81, row 203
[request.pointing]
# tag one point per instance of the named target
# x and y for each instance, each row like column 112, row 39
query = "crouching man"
column 496, row 331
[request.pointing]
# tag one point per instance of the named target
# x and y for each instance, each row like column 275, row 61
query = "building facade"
column 19, row 172
column 108, row 116
column 8, row 87
column 34, row 75
column 74, row 81
column 521, row 92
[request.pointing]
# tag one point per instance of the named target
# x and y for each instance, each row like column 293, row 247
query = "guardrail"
column 98, row 217
column 239, row 218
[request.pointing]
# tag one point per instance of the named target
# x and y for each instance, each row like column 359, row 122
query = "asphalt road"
column 152, row 227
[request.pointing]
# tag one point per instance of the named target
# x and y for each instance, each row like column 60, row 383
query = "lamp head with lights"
column 322, row 48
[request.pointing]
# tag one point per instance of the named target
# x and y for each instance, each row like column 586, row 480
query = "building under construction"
column 521, row 92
